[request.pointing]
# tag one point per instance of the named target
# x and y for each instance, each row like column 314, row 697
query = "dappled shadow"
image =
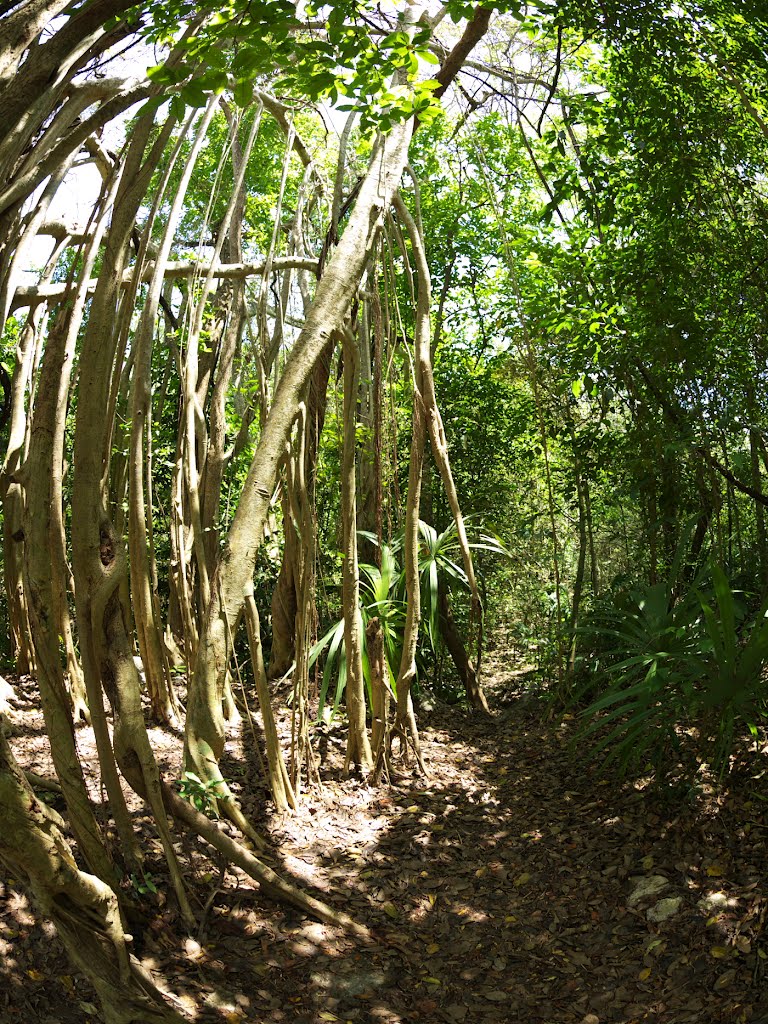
column 36, row 981
column 496, row 890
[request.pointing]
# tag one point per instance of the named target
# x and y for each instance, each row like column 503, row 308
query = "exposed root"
column 275, row 887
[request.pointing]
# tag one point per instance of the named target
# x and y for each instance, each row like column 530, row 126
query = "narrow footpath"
column 515, row 884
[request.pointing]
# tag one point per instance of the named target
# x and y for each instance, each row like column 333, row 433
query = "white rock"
column 664, row 909
column 646, row 888
column 7, row 697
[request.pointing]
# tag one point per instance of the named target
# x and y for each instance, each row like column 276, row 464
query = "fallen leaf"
column 725, row 980
column 720, row 952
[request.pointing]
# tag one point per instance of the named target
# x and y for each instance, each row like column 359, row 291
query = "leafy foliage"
column 383, row 595
column 202, row 795
column 672, row 661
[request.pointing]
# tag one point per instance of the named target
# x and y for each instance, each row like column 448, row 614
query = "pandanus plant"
column 678, row 658
column 382, row 595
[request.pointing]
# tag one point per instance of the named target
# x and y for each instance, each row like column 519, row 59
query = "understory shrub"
column 670, row 661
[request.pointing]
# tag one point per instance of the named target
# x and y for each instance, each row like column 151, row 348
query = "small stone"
column 665, row 909
column 647, row 888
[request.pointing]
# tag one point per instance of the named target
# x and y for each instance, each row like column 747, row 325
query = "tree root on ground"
column 272, row 884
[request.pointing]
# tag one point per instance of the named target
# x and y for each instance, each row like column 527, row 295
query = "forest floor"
column 503, row 888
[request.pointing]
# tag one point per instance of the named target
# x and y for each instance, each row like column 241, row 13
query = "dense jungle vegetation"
column 385, row 436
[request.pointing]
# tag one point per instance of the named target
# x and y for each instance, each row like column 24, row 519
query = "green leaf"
column 243, row 93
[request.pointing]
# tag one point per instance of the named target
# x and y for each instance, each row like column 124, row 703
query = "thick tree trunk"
column 45, row 586
column 336, row 289
column 99, row 559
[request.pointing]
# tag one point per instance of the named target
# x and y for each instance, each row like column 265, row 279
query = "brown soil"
column 496, row 890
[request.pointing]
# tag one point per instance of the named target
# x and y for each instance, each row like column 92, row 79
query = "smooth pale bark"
column 358, row 745
column 231, row 314
column 31, row 98
column 45, row 565
column 11, row 493
column 28, row 229
column 279, row 781
column 374, row 639
column 13, row 572
column 300, row 490
column 405, row 719
column 149, row 629
column 193, row 420
column 285, row 602
column 99, row 558
column 26, row 25
column 19, row 29
column 439, row 442
column 204, row 740
column 31, row 295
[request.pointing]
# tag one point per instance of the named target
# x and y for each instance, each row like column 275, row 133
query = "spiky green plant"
column 380, row 596
column 678, row 658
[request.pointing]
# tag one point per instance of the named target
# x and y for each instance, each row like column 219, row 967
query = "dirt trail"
column 498, row 890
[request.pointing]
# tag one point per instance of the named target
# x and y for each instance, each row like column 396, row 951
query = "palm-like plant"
column 653, row 656
column 677, row 656
column 439, row 569
column 732, row 686
column 380, row 596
